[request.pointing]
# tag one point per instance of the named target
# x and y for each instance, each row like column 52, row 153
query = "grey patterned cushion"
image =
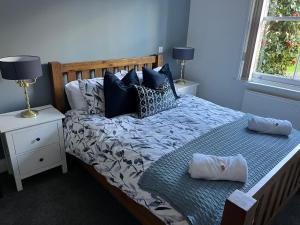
column 152, row 101
column 93, row 92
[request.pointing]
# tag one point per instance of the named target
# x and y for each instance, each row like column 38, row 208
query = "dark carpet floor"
column 52, row 198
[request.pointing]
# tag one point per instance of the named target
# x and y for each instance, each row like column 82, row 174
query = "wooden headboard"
column 64, row 73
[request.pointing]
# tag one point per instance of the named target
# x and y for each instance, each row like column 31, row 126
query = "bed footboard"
column 262, row 202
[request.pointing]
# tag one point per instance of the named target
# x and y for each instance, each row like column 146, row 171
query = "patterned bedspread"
column 122, row 148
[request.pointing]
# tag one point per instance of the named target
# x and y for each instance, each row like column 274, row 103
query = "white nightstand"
column 33, row 145
column 188, row 88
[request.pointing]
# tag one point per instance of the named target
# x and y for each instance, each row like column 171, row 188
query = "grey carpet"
column 52, row 198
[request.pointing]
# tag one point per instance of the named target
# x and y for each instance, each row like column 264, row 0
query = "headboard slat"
column 118, row 69
column 112, row 70
column 130, row 67
column 149, row 65
column 58, row 70
column 85, row 74
column 72, row 76
column 98, row 72
column 140, row 67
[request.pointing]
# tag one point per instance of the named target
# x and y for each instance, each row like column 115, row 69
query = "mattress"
column 122, row 148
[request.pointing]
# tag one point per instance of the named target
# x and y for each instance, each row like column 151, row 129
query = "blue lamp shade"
column 22, row 67
column 183, row 53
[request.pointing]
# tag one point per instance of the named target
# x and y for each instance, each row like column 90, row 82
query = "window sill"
column 274, row 88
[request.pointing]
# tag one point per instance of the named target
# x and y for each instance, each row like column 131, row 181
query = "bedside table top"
column 187, row 84
column 13, row 120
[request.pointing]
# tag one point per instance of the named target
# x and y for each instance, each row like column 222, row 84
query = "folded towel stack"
column 211, row 167
column 269, row 125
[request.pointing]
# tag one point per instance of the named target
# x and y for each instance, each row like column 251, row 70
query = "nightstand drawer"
column 35, row 161
column 35, row 137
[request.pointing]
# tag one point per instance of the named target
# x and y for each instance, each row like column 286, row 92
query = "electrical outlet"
column 160, row 49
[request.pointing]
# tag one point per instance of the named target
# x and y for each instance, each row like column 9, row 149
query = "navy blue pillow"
column 154, row 80
column 120, row 95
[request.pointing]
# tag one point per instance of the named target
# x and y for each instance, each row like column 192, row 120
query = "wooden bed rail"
column 262, row 202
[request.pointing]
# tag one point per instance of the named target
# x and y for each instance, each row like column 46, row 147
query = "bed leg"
column 239, row 209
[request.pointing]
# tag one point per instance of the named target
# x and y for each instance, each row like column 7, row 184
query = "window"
column 273, row 46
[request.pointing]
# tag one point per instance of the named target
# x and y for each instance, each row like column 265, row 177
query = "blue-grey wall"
column 217, row 31
column 79, row 30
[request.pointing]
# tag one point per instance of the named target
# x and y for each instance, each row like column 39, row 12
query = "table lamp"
column 182, row 54
column 25, row 70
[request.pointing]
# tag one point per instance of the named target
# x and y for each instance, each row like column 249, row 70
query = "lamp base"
column 180, row 81
column 29, row 114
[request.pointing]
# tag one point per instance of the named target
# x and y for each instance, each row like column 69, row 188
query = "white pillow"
column 75, row 97
column 157, row 69
column 121, row 74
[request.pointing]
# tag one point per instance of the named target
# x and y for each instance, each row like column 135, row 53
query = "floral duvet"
column 122, row 148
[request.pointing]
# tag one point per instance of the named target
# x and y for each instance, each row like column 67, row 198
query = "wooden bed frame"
column 258, row 206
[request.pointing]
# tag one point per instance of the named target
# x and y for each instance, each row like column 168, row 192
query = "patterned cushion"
column 152, row 101
column 93, row 92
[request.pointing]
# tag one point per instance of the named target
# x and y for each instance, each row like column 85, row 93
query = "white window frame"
column 274, row 78
column 254, row 76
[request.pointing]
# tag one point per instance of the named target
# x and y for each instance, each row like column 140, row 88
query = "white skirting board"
column 2, row 165
column 266, row 105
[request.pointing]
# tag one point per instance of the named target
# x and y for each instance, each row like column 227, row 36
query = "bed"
column 125, row 146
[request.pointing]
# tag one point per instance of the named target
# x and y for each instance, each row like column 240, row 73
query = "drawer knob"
column 38, row 139
column 41, row 159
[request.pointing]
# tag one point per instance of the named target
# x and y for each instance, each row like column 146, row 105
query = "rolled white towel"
column 211, row 167
column 270, row 125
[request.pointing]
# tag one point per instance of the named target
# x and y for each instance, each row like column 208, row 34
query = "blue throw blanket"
column 202, row 202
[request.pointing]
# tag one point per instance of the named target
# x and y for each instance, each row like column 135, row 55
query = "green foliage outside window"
column 281, row 39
